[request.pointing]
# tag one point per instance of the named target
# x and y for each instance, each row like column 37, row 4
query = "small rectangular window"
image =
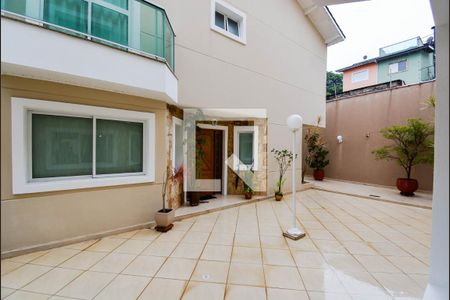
column 246, row 147
column 228, row 21
column 397, row 67
column 232, row 27
column 360, row 76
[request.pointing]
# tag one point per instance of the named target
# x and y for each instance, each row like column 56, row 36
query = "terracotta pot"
column 164, row 218
column 248, row 195
column 278, row 197
column 318, row 174
column 406, row 186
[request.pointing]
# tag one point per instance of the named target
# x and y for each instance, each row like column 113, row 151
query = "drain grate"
column 376, row 196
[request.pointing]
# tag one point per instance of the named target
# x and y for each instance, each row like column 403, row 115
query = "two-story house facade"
column 93, row 93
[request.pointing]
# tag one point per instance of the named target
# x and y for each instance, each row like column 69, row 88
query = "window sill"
column 229, row 35
column 80, row 183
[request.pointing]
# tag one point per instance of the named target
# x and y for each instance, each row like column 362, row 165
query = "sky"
column 370, row 25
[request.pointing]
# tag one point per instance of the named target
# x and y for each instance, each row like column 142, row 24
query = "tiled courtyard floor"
column 355, row 248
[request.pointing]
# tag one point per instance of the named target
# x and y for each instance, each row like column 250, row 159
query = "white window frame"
column 397, row 63
column 176, row 121
column 356, row 80
column 233, row 13
column 245, row 129
column 22, row 182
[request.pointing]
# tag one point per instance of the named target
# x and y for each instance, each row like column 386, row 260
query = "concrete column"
column 438, row 285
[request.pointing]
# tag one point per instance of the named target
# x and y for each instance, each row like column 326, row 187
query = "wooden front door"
column 209, row 157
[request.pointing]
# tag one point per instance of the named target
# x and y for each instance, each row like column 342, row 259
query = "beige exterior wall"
column 354, row 117
column 39, row 218
column 282, row 68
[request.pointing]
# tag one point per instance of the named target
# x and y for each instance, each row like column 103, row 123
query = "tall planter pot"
column 164, row 217
column 406, row 186
column 319, row 174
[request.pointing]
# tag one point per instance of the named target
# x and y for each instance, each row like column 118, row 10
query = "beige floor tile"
column 84, row 260
column 8, row 266
column 376, row 263
column 219, row 238
column 388, row 248
column 377, row 297
column 247, row 240
column 146, row 235
column 23, row 295
column 113, row 263
column 328, row 296
column 211, row 271
column 181, row 226
column 346, row 235
column 160, row 288
column 278, row 294
column 204, row 290
column 304, row 244
column 81, row 245
column 158, row 248
column 355, row 247
column 361, row 283
column 171, row 236
column 26, row 258
column 55, row 257
column 409, row 265
column 5, row 292
column 196, row 237
column 216, row 252
column 421, row 279
column 87, row 285
column 144, row 266
column 324, row 280
column 106, row 245
column 305, row 259
column 123, row 235
column 132, row 246
column 177, row 268
column 246, row 255
column 273, row 242
column 246, row 274
column 343, row 262
column 202, row 227
column 53, row 281
column 239, row 292
column 320, row 234
column 188, row 250
column 123, row 287
column 399, row 285
column 277, row 257
column 283, row 277
column 326, row 246
column 23, row 275
column 224, row 227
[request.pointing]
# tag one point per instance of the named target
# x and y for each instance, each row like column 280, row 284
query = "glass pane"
column 168, row 43
column 120, row 3
column 220, row 20
column 393, row 68
column 67, row 13
column 119, row 147
column 61, row 146
column 15, row 6
column 402, row 65
column 147, row 33
column 233, row 27
column 109, row 24
column 246, row 147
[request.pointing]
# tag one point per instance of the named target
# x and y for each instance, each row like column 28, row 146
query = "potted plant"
column 248, row 182
column 165, row 216
column 284, row 159
column 413, row 145
column 316, row 152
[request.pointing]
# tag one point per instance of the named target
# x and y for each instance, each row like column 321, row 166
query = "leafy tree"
column 334, row 83
column 413, row 144
column 284, row 159
column 316, row 150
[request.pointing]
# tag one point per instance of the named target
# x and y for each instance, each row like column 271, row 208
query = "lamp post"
column 294, row 122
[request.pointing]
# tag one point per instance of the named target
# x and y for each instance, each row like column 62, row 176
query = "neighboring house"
column 411, row 61
column 94, row 93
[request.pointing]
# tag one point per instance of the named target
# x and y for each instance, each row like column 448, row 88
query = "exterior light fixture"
column 340, row 139
column 294, row 122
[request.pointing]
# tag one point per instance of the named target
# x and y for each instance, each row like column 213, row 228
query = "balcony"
column 94, row 49
column 401, row 46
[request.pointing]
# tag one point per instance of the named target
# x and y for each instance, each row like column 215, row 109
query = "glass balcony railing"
column 401, row 46
column 131, row 25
